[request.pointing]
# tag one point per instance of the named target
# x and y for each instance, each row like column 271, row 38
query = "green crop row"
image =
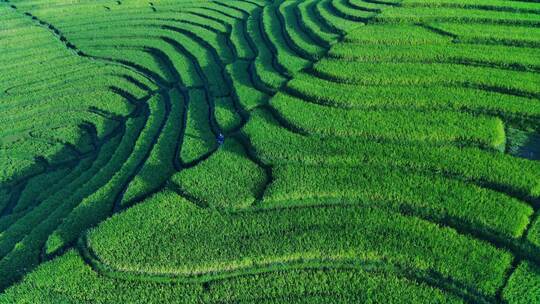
column 210, row 243
column 391, row 125
column 96, row 206
column 368, row 6
column 513, row 82
column 68, row 279
column 524, row 285
column 302, row 43
column 496, row 5
column 37, row 186
column 227, row 179
column 374, row 177
column 14, row 168
column 265, row 65
column 333, row 20
column 392, row 34
column 194, row 50
column 17, row 231
column 158, row 167
column 64, row 129
column 136, row 50
column 515, row 175
column 344, row 9
column 308, row 20
column 198, row 137
column 227, row 117
column 248, row 96
column 490, row 55
column 534, row 233
column 27, row 201
column 4, row 199
column 444, row 14
column 436, row 198
column 285, row 55
column 492, row 34
column 22, row 241
column 437, row 97
column 239, row 38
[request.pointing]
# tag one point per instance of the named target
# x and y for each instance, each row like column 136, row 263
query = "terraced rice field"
column 270, row 151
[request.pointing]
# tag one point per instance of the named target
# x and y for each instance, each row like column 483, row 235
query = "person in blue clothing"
column 220, row 139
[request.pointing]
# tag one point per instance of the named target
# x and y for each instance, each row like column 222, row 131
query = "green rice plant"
column 76, row 128
column 198, row 137
column 459, row 15
column 39, row 83
column 227, row 118
column 22, row 241
column 159, row 165
column 145, row 59
column 71, row 136
column 500, row 171
column 177, row 63
column 534, row 233
column 97, row 89
column 213, row 41
column 371, row 6
column 45, row 151
column 297, row 39
column 4, row 199
column 209, row 67
column 523, row 285
column 209, row 243
column 264, row 66
column 33, row 189
column 248, row 96
column 352, row 96
column 331, row 191
column 512, row 82
column 492, row 34
column 95, row 207
column 435, row 198
column 27, row 203
column 274, row 31
column 266, row 78
column 202, row 17
column 200, row 55
column 309, row 22
column 489, row 55
column 65, row 278
column 495, row 5
column 226, row 180
column 436, row 127
column 14, row 169
column 235, row 9
column 326, row 13
column 239, row 38
column 345, row 10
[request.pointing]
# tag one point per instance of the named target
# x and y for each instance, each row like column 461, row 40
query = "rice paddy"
column 269, row 151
